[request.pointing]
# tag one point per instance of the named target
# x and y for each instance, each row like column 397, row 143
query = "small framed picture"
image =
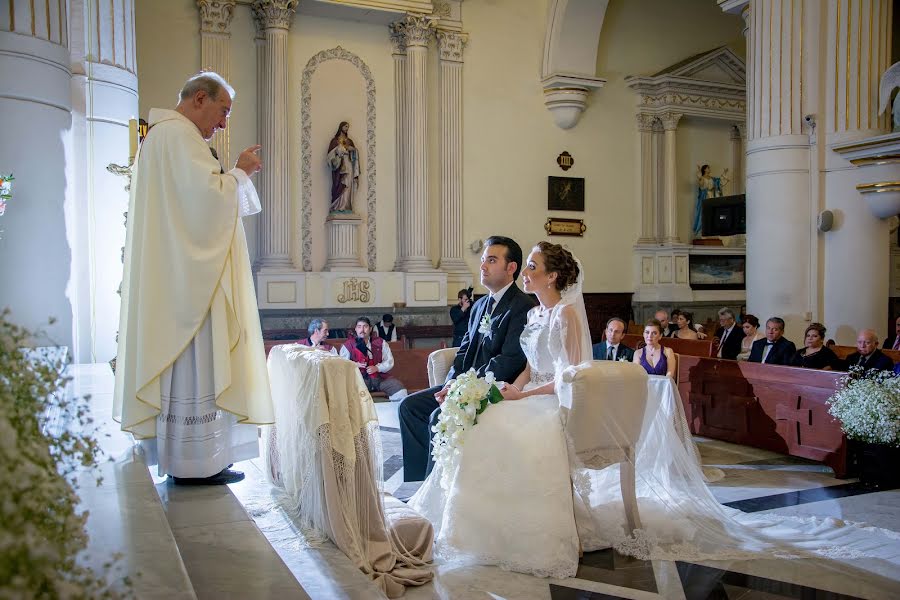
column 565, row 193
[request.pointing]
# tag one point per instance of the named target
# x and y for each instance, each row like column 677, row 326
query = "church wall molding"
column 306, row 241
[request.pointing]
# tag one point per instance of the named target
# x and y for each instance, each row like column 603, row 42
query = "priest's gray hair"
column 208, row 81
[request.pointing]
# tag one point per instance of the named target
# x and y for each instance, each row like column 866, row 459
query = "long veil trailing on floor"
column 681, row 519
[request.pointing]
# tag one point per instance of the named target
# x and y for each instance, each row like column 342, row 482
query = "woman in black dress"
column 815, row 355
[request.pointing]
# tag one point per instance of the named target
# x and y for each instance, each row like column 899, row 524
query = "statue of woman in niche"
column 343, row 158
column 707, row 187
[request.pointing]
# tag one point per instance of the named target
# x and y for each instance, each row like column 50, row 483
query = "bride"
column 510, row 500
column 509, row 503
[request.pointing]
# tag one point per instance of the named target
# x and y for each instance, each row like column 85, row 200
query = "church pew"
column 705, row 347
column 776, row 408
column 844, row 351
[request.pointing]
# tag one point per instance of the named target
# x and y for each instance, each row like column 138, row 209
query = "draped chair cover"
column 325, row 452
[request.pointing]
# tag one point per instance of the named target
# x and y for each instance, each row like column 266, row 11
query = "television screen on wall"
column 725, row 216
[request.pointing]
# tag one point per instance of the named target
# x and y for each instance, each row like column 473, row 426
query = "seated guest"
column 730, row 335
column 751, row 335
column 685, row 322
column 815, row 355
column 459, row 314
column 386, row 329
column 893, row 343
column 868, row 356
column 655, row 358
column 668, row 329
column 318, row 333
column 612, row 347
column 373, row 355
column 774, row 349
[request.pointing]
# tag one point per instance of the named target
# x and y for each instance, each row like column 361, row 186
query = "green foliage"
column 44, row 438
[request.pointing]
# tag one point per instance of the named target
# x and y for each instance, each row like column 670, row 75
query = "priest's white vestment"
column 191, row 362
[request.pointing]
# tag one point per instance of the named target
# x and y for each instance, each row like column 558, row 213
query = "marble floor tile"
column 188, row 506
column 232, row 560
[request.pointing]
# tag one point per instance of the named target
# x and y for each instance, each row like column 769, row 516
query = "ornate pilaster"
column 450, row 47
column 670, row 188
column 648, row 198
column 274, row 234
column 737, row 158
column 215, row 36
column 259, row 41
column 413, row 206
column 401, row 130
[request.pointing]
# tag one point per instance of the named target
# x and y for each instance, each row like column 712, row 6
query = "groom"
column 491, row 344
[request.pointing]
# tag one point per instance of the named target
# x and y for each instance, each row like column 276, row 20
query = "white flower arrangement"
column 45, row 441
column 484, row 327
column 468, row 397
column 867, row 403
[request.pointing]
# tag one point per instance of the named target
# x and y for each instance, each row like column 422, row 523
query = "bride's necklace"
column 545, row 310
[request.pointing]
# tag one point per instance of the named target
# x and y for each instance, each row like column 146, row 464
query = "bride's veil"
column 682, row 519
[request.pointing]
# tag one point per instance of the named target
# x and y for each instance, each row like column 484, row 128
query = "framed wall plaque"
column 555, row 226
column 565, row 193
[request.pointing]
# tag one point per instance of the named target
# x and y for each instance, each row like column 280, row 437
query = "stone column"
column 670, row 197
column 275, row 219
column 450, row 47
column 856, row 268
column 401, row 131
column 413, row 209
column 36, row 104
column 648, row 197
column 104, row 91
column 215, row 36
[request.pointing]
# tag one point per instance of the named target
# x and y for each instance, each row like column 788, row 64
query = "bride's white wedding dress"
column 510, row 502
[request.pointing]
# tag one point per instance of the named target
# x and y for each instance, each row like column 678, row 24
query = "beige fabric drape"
column 326, row 455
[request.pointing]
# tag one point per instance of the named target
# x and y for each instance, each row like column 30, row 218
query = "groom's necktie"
column 611, row 353
column 490, row 306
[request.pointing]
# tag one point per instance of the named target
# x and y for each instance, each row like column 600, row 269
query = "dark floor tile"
column 559, row 592
column 391, row 429
column 405, row 491
column 708, row 583
column 800, row 497
column 392, row 465
column 608, row 566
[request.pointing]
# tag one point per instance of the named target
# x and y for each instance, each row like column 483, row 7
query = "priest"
column 191, row 378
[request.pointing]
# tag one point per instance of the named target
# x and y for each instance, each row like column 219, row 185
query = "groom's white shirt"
column 497, row 296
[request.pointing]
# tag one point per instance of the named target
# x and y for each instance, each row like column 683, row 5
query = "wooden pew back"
column 844, row 351
column 778, row 408
column 705, row 347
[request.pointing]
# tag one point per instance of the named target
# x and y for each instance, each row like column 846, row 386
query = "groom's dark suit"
column 498, row 351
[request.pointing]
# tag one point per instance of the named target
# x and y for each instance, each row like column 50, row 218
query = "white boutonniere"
column 484, row 327
column 623, row 358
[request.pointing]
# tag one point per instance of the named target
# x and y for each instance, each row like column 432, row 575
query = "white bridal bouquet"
column 867, row 403
column 468, row 397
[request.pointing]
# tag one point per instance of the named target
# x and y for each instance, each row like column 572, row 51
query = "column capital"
column 451, row 44
column 216, row 15
column 418, row 30
column 645, row 121
column 670, row 120
column 274, row 14
column 739, row 131
column 398, row 37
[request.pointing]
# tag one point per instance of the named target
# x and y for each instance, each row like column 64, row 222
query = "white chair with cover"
column 439, row 363
column 605, row 404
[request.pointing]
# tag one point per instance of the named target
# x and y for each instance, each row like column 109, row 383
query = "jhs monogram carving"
column 355, row 291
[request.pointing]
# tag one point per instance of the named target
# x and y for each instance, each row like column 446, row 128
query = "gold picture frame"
column 556, row 226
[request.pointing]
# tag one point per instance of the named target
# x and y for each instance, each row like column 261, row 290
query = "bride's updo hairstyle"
column 560, row 261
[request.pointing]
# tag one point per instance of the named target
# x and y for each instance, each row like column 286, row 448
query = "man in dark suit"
column 868, row 356
column 775, row 349
column 491, row 344
column 729, row 334
column 668, row 329
column 894, row 342
column 612, row 347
